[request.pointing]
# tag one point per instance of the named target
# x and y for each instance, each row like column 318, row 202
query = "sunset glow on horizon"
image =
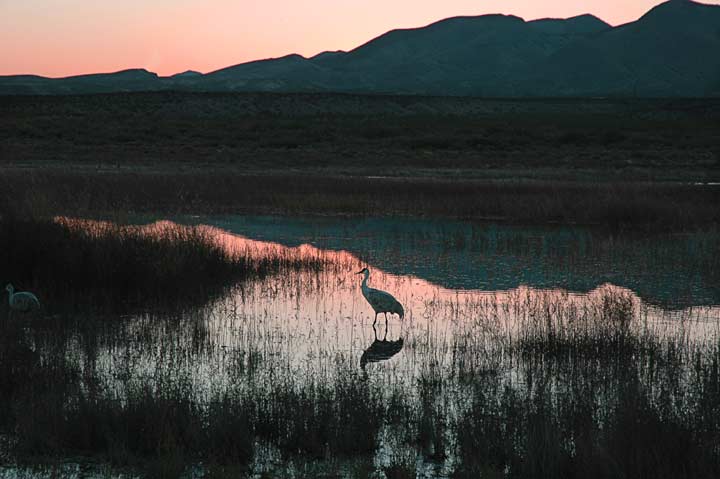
column 70, row 37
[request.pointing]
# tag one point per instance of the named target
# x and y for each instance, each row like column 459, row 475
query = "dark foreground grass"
column 645, row 428
column 574, row 389
column 632, row 205
column 160, row 427
column 640, row 408
column 321, row 420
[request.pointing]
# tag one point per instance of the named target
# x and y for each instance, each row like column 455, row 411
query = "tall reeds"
column 530, row 383
column 70, row 261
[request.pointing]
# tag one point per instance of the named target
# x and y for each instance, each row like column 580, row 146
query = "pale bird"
column 380, row 301
column 22, row 301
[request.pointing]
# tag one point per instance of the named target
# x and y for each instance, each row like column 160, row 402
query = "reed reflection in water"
column 464, row 371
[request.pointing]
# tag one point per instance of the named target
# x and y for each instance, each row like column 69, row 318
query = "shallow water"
column 455, row 282
column 670, row 270
column 470, row 293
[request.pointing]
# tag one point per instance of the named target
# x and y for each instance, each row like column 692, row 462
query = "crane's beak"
column 359, row 272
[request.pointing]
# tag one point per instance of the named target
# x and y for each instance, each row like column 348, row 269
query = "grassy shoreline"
column 631, row 205
column 620, row 163
column 83, row 263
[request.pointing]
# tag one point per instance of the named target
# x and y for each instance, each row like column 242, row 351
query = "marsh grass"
column 569, row 331
column 610, row 411
column 600, row 393
column 157, row 428
column 615, row 205
column 162, row 429
column 535, row 433
column 528, row 385
column 337, row 418
column 90, row 262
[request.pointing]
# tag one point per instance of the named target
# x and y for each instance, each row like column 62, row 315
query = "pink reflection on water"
column 306, row 320
column 313, row 325
column 412, row 289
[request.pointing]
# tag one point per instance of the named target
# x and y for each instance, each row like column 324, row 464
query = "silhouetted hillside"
column 579, row 25
column 122, row 81
column 671, row 51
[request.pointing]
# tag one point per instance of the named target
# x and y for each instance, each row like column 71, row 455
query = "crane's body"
column 22, row 301
column 380, row 301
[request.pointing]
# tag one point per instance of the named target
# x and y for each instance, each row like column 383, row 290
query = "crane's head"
column 9, row 288
column 363, row 271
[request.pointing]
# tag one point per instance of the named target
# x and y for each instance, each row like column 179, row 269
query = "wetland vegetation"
column 649, row 206
column 556, row 260
column 266, row 377
column 128, row 264
column 616, row 162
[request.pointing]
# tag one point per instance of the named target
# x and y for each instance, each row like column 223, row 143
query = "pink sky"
column 70, row 37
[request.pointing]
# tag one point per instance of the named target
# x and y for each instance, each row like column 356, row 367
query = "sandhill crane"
column 380, row 301
column 22, row 301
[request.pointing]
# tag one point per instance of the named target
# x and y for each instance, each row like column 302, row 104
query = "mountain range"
column 671, row 51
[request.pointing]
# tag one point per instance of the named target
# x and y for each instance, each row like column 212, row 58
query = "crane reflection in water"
column 379, row 350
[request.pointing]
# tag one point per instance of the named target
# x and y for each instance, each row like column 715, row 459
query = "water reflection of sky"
column 670, row 270
column 673, row 271
column 306, row 323
column 311, row 326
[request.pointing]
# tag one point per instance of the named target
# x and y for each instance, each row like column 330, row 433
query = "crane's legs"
column 375, row 319
column 386, row 321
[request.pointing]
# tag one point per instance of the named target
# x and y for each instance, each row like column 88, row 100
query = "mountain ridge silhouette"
column 671, row 51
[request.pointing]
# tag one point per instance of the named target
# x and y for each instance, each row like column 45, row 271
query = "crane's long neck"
column 364, row 286
column 10, row 291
